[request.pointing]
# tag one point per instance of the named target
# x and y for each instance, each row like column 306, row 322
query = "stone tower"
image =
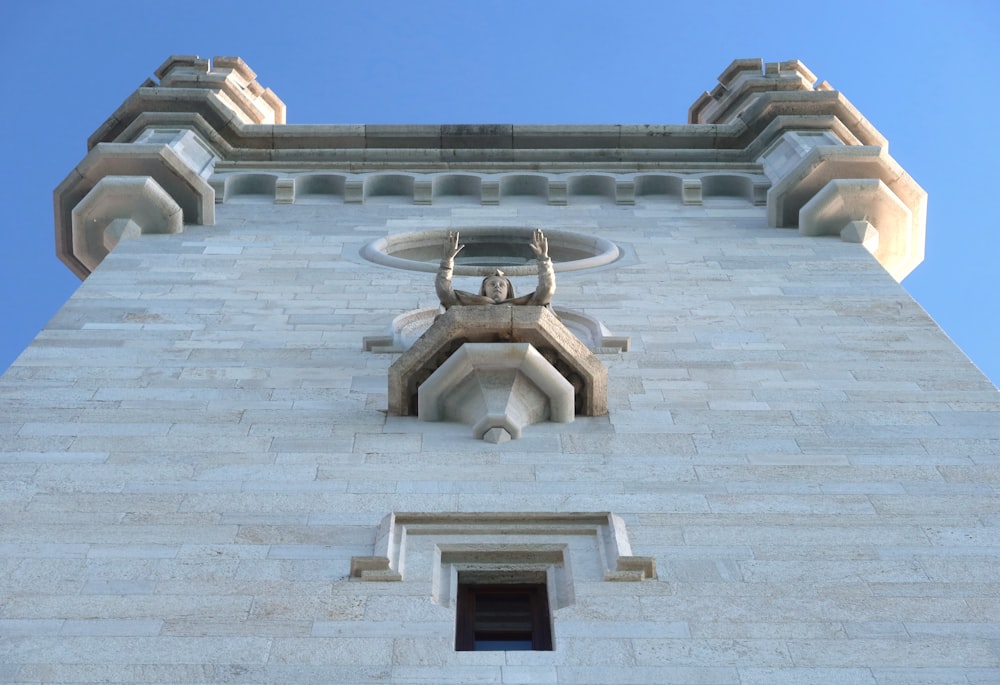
column 252, row 448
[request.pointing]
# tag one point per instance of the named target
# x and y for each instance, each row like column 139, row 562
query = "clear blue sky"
column 924, row 73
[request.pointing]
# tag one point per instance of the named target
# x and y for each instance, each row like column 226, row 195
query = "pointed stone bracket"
column 498, row 388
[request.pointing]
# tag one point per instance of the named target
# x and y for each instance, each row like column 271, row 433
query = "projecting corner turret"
column 148, row 165
column 829, row 167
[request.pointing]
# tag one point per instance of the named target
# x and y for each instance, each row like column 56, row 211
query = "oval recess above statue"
column 488, row 248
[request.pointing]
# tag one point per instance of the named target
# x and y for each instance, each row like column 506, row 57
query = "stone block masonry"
column 198, row 446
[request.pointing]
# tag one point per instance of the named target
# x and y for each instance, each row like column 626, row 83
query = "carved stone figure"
column 496, row 288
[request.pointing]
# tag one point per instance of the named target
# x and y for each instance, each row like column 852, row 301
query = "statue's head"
column 497, row 287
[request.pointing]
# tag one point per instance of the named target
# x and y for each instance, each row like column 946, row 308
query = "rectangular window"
column 502, row 617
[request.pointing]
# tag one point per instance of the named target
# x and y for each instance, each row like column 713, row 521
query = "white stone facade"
column 796, row 476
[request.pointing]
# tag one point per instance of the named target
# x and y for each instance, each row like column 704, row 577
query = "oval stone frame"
column 488, row 248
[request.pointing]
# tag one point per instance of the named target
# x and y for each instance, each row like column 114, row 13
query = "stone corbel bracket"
column 119, row 208
column 497, row 388
column 834, row 185
column 506, row 324
column 487, row 532
column 79, row 199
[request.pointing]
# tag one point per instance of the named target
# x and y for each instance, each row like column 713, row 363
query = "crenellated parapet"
column 224, row 92
column 229, row 79
column 744, row 80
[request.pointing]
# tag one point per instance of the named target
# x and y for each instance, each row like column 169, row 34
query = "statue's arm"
column 442, row 283
column 546, row 274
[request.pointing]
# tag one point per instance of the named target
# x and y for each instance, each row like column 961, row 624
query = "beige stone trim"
column 419, row 546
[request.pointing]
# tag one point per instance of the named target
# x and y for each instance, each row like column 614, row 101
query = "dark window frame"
column 472, row 620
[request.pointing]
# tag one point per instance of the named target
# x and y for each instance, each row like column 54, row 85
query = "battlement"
column 743, row 80
column 223, row 92
column 231, row 79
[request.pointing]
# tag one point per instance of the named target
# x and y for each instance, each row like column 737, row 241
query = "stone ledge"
column 231, row 79
column 486, row 189
column 406, row 328
column 741, row 81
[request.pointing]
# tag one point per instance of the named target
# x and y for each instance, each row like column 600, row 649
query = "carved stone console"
column 530, row 358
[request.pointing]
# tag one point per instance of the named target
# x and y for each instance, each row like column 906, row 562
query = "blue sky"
column 922, row 72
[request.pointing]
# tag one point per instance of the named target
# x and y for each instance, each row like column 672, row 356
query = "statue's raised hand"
column 451, row 246
column 539, row 245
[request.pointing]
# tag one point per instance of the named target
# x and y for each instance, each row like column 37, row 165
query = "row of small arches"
column 491, row 189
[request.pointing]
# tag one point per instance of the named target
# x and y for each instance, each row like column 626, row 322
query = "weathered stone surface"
column 860, row 232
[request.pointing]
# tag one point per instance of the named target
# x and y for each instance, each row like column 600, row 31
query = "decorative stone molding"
column 188, row 133
column 499, row 323
column 489, row 189
column 497, row 388
column 434, row 546
column 625, row 192
column 558, row 193
column 768, row 118
column 284, row 191
column 117, row 208
column 691, row 191
column 259, row 186
column 752, row 104
column 172, row 174
column 422, row 192
column 788, row 150
column 188, row 144
column 223, row 92
column 757, row 106
column 591, row 332
column 406, row 328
